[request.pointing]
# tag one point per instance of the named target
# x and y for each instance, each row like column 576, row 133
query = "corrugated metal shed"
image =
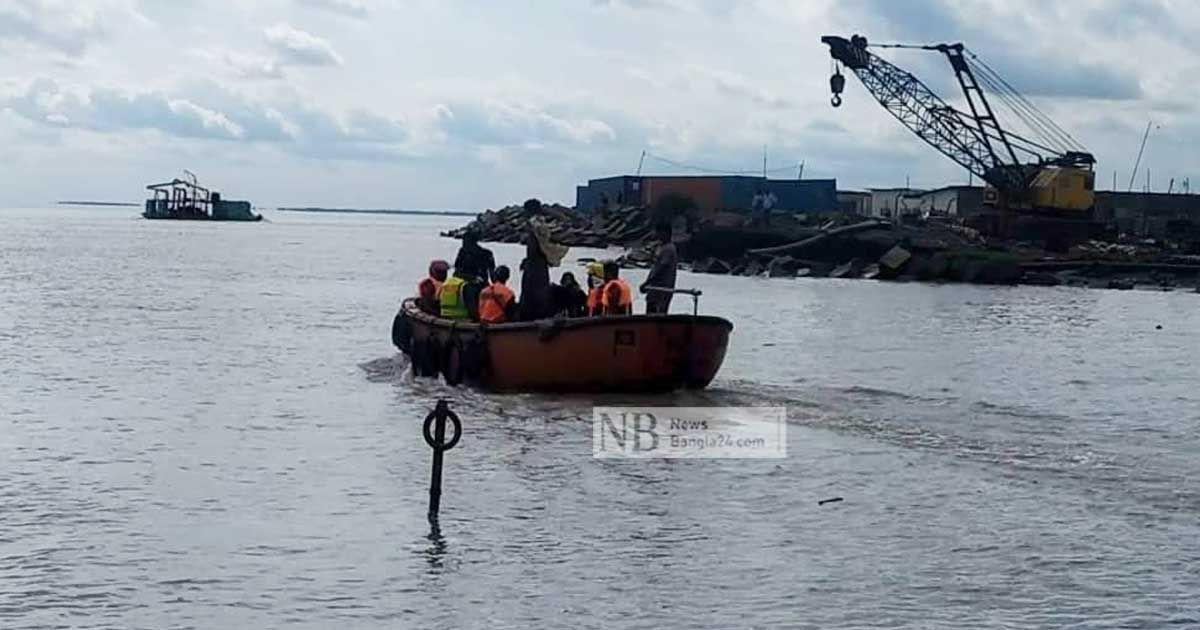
column 705, row 191
column 804, row 195
column 735, row 193
column 617, row 191
column 584, row 199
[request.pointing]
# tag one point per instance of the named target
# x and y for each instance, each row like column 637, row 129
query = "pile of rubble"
column 949, row 253
column 624, row 227
column 876, row 249
column 848, row 247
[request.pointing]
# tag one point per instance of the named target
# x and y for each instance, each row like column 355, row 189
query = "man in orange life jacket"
column 427, row 289
column 497, row 303
column 616, row 297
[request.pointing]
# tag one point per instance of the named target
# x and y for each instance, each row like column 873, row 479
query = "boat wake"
column 393, row 369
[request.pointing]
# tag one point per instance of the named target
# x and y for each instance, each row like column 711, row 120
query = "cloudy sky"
column 448, row 104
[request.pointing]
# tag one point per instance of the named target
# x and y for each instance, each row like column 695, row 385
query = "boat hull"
column 634, row 353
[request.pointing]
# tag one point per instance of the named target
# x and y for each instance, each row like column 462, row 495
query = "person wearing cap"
column 616, row 297
column 428, row 288
column 595, row 283
column 497, row 303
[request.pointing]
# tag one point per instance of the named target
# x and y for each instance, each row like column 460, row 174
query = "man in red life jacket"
column 497, row 303
column 616, row 296
column 427, row 289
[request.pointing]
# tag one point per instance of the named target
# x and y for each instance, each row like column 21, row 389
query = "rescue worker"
column 497, row 303
column 616, row 298
column 595, row 280
column 662, row 274
column 427, row 289
column 450, row 298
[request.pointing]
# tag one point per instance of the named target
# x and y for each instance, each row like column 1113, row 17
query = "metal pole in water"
column 436, row 421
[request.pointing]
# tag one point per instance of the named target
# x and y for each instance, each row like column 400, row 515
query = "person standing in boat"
column 497, row 303
column 662, row 274
column 616, row 296
column 427, row 289
column 476, row 264
column 541, row 254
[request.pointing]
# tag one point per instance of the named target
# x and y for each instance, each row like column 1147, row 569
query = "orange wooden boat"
column 631, row 353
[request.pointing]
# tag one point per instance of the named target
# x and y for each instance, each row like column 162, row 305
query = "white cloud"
column 553, row 93
column 499, row 123
column 65, row 26
column 352, row 8
column 252, row 66
column 108, row 109
column 210, row 111
column 296, row 47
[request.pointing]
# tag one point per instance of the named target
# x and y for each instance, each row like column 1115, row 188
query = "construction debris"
column 851, row 247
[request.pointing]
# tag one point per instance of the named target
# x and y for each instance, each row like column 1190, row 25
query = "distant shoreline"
column 439, row 213
column 107, row 204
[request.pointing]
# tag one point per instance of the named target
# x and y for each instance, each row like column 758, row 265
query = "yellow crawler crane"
column 1045, row 186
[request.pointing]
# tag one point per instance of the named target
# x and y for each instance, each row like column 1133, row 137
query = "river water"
column 205, row 426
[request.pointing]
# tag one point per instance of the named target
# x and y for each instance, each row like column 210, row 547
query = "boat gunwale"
column 410, row 309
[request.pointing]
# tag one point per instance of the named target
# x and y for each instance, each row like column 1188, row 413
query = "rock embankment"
column 624, row 227
column 850, row 247
column 940, row 252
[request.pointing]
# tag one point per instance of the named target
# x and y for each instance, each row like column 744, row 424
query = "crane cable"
column 1034, row 125
column 1039, row 125
column 1033, row 118
column 1058, row 131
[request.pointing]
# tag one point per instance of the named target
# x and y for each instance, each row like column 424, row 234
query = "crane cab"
column 1051, row 189
column 1064, row 189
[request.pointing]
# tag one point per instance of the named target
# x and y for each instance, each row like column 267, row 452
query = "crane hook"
column 837, row 83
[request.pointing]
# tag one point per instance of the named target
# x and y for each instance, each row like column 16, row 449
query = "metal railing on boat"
column 693, row 293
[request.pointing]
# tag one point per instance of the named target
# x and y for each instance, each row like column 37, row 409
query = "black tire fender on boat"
column 429, row 358
column 475, row 357
column 417, row 357
column 452, row 362
column 402, row 334
column 424, row 357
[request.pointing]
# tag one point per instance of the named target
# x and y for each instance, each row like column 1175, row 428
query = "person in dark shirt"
column 662, row 274
column 476, row 264
column 535, row 281
column 569, row 298
column 474, row 261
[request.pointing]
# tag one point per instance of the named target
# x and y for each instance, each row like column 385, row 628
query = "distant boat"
column 186, row 200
